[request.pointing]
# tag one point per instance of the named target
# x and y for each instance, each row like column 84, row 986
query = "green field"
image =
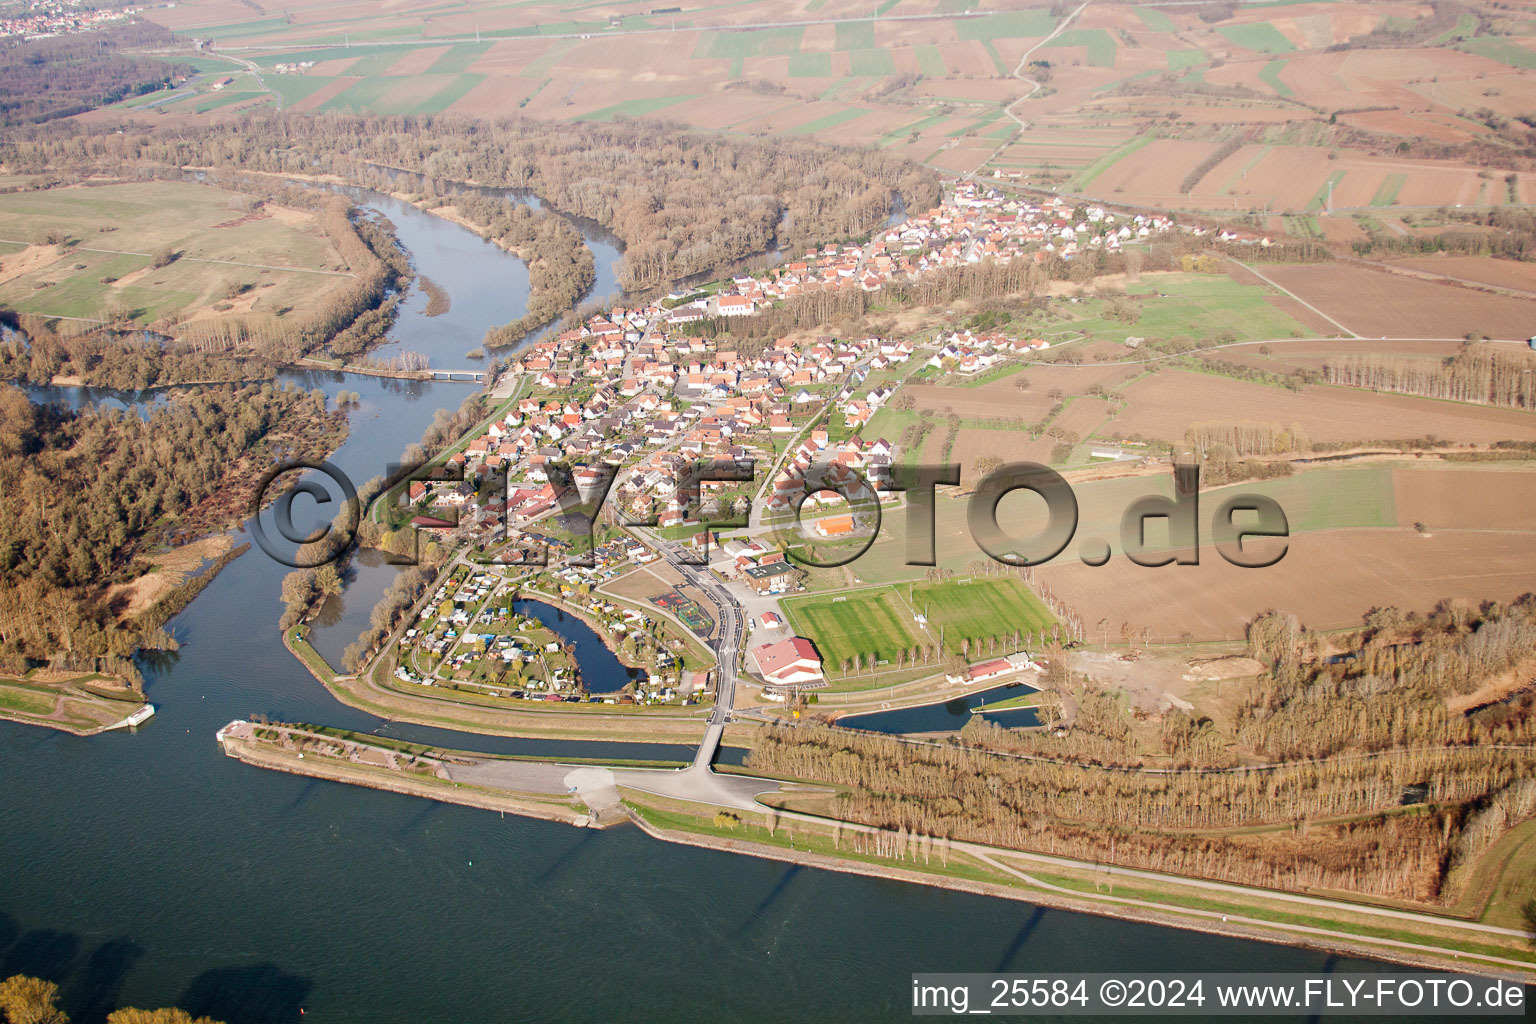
column 225, row 98
column 1465, row 26
column 1271, row 77
column 1099, row 43
column 930, row 61
column 878, row 623
column 1198, row 306
column 855, row 35
column 458, row 58
column 293, row 88
column 142, row 218
column 1386, row 195
column 1109, row 159
column 763, row 42
column 545, row 62
column 1260, row 36
column 829, row 121
column 843, row 626
column 1503, row 50
column 1002, row 66
column 810, row 65
column 445, row 97
column 635, row 108
column 328, row 53
column 1319, row 202
column 377, row 63
column 1008, row 25
column 22, row 702
column 361, row 95
column 975, row 609
column 875, row 63
column 1181, row 60
column 1154, row 19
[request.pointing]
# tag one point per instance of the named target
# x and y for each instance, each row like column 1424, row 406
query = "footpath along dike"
column 264, row 755
column 1314, row 938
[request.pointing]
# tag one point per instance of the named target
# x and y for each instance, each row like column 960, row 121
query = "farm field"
column 1318, row 500
column 280, row 256
column 1312, row 354
column 1134, row 104
column 1164, row 404
column 1446, row 498
column 1499, row 273
column 1329, row 580
column 1197, row 306
column 1378, row 304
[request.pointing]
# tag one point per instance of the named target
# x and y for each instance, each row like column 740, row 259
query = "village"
column 633, row 403
column 43, row 19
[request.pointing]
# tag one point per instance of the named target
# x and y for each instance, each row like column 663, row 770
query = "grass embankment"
column 1168, row 901
column 1027, row 700
column 425, row 750
column 268, row 755
column 380, row 693
column 83, row 704
column 675, row 821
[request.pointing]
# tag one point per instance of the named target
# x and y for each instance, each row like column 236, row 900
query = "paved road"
column 727, row 645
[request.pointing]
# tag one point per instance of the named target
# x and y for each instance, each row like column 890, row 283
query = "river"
column 148, row 869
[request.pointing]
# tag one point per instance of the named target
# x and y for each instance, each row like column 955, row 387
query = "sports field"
column 879, row 623
column 975, row 609
column 844, row 626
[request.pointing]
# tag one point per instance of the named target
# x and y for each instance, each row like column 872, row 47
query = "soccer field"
column 975, row 609
column 878, row 623
column 871, row 622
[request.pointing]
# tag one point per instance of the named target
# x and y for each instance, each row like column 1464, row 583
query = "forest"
column 28, row 1000
column 684, row 203
column 1483, row 373
column 42, row 79
column 85, row 496
column 1342, row 768
column 1508, row 232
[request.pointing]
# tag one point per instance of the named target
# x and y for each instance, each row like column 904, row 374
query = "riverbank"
column 341, row 761
column 376, row 693
column 812, row 840
column 448, row 211
column 82, row 705
column 1168, row 901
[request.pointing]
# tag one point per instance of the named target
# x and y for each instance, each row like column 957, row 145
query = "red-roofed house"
column 792, row 662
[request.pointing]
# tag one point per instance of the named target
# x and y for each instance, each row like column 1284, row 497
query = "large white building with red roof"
column 791, row 662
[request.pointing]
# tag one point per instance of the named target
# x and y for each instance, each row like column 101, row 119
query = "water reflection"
column 950, row 715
